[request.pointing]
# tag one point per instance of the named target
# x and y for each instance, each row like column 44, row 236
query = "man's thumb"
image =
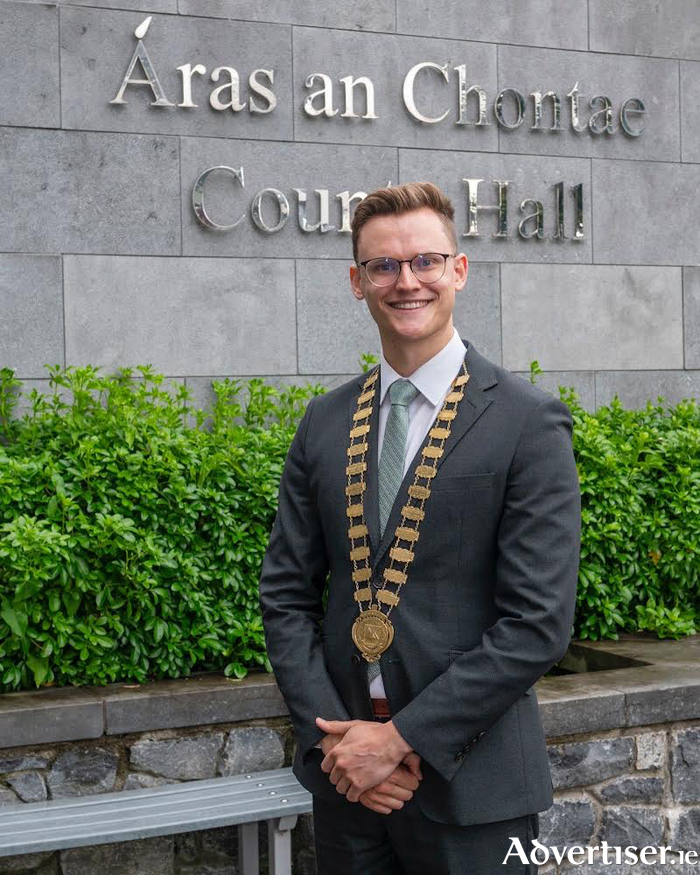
column 412, row 761
column 336, row 725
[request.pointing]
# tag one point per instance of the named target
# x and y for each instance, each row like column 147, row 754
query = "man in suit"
column 436, row 501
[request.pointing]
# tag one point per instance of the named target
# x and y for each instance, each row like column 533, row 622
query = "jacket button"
column 356, row 658
column 459, row 756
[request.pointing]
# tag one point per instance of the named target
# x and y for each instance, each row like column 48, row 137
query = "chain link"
column 413, row 511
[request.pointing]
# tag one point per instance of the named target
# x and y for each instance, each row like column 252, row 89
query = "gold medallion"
column 372, row 632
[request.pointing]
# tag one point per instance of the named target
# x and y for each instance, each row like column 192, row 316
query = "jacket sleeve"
column 292, row 581
column 538, row 546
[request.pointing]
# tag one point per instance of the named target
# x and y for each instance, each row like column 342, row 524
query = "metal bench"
column 274, row 796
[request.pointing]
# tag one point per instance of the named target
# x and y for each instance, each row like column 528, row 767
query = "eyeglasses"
column 428, row 267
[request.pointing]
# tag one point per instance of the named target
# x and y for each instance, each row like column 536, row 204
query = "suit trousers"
column 351, row 839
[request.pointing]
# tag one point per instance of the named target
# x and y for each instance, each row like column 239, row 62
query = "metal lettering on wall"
column 556, row 216
column 509, row 105
column 270, row 209
column 224, row 97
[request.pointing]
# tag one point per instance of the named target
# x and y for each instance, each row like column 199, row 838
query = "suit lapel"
column 475, row 401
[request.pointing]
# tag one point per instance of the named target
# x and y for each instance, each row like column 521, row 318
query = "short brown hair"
column 398, row 199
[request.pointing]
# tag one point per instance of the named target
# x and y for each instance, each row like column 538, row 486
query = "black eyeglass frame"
column 410, row 261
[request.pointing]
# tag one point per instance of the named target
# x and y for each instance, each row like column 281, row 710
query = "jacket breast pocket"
column 466, row 505
column 453, row 500
column 464, row 482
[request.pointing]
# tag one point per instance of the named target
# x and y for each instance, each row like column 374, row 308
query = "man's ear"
column 461, row 270
column 355, row 282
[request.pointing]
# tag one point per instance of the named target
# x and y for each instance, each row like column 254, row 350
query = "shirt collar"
column 434, row 376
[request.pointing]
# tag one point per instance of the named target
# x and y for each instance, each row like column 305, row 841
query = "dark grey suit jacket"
column 486, row 611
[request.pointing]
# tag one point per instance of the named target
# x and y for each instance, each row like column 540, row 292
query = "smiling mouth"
column 409, row 305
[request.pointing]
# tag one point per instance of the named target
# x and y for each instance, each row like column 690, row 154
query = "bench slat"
column 17, row 819
column 192, row 791
column 274, row 779
column 150, row 812
column 103, row 833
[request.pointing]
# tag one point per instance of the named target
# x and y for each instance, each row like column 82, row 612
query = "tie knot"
column 402, row 392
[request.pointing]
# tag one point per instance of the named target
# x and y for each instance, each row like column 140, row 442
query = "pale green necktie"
column 391, row 463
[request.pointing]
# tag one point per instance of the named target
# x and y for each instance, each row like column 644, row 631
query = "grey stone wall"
column 102, row 260
column 628, row 789
column 638, row 787
column 622, row 729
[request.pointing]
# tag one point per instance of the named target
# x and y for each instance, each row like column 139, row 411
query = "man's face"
column 404, row 236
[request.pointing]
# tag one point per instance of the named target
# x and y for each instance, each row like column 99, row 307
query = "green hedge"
column 640, row 518
column 132, row 530
column 133, row 525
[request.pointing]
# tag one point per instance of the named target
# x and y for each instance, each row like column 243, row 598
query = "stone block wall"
column 629, row 788
column 622, row 729
column 638, row 788
column 103, row 261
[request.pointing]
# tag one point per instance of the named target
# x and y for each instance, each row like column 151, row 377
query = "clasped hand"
column 370, row 763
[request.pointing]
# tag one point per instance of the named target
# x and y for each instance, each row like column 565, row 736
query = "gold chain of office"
column 373, row 631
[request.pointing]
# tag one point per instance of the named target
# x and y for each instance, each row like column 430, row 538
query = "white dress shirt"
column 432, row 379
